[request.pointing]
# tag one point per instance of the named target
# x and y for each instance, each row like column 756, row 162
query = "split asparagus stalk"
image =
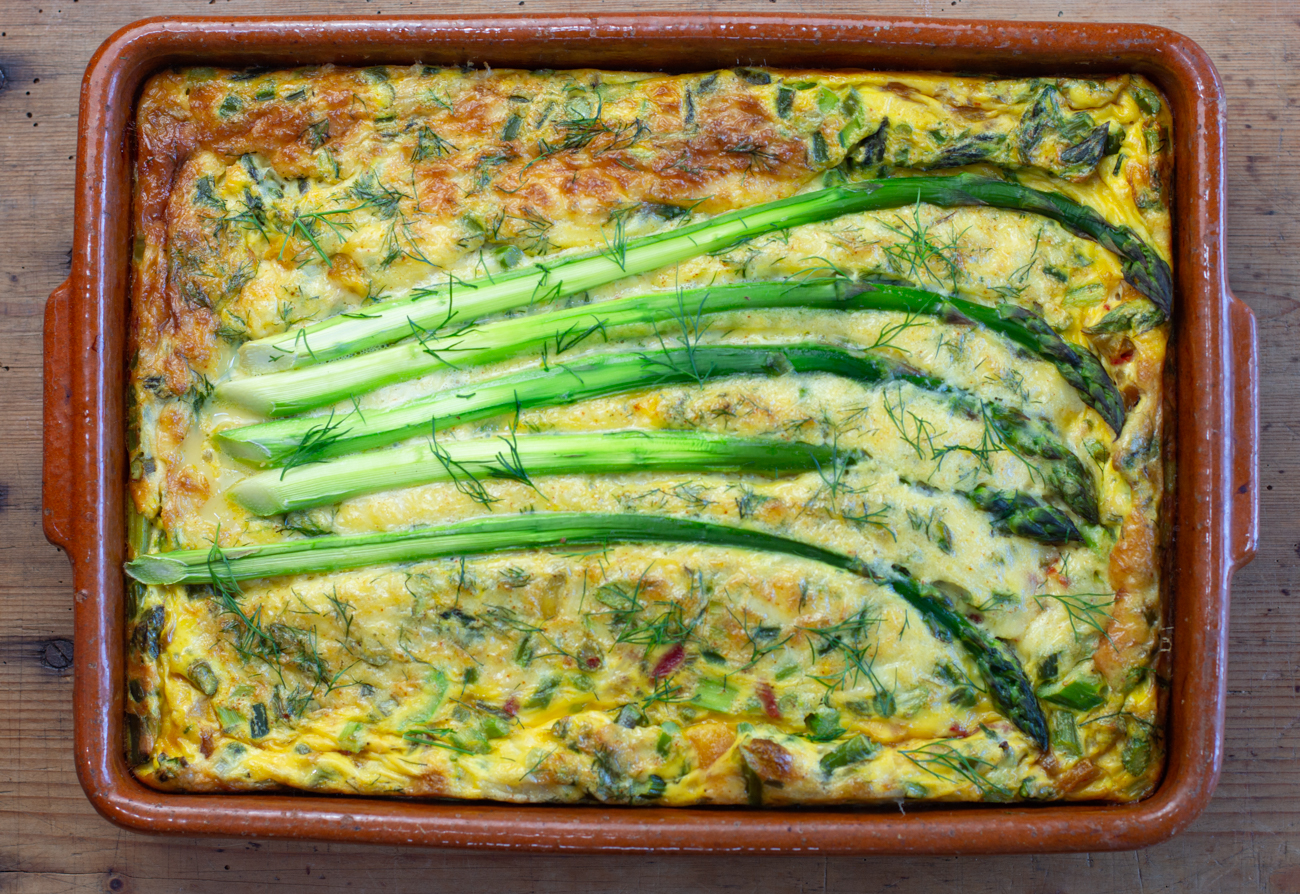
column 286, row 393
column 592, row 376
column 296, row 391
column 520, row 459
column 303, row 440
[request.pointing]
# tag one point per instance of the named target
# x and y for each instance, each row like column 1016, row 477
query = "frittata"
column 754, row 437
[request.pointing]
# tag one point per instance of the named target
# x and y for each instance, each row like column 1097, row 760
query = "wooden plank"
column 51, row 839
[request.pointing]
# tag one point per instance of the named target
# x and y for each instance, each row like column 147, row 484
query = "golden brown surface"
column 54, row 841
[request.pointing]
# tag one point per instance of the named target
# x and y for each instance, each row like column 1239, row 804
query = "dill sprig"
column 748, row 501
column 501, row 617
column 820, row 271
column 762, row 638
column 527, row 230
column 538, row 763
column 1020, row 276
column 919, row 258
column 990, row 443
column 849, row 639
column 511, row 468
column 632, row 622
column 623, row 607
column 998, row 601
column 433, row 736
column 429, row 145
column 345, row 613
column 669, row 627
column 616, row 250
column 940, row 759
column 868, row 517
column 665, row 692
column 424, row 336
column 832, row 476
column 1127, row 717
column 890, row 331
column 303, row 226
column 582, row 131
column 316, row 443
column 691, row 326
column 254, row 641
column 919, row 433
column 461, row 478
column 936, row 530
column 1085, row 610
column 200, row 390
column 513, row 577
column 375, row 195
column 692, row 494
column 308, row 659
column 573, row 336
column 756, row 156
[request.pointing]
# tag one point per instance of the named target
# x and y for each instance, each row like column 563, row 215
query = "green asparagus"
column 1008, row 685
column 455, row 305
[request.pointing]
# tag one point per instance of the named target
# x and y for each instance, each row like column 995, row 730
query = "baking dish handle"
column 56, row 491
column 1245, row 432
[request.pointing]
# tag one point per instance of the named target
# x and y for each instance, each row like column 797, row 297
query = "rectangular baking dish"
column 1213, row 388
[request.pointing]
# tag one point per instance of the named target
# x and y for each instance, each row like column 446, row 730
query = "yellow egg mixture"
column 669, row 673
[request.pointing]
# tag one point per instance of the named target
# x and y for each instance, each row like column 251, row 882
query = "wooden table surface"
column 51, row 839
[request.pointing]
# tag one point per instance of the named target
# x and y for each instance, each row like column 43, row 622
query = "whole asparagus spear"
column 547, row 280
column 1008, row 685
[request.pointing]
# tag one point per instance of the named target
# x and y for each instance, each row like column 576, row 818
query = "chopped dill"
column 511, row 468
column 849, row 640
column 430, row 145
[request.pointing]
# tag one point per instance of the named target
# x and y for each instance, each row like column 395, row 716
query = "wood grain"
column 50, row 838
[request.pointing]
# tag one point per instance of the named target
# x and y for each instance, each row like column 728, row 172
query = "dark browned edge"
column 1215, row 511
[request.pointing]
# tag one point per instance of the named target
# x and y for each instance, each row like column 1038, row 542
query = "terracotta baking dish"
column 1213, row 383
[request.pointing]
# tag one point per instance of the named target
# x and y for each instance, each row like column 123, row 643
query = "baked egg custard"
column 747, row 437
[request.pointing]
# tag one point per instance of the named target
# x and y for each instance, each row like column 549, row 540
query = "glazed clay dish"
column 843, row 337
